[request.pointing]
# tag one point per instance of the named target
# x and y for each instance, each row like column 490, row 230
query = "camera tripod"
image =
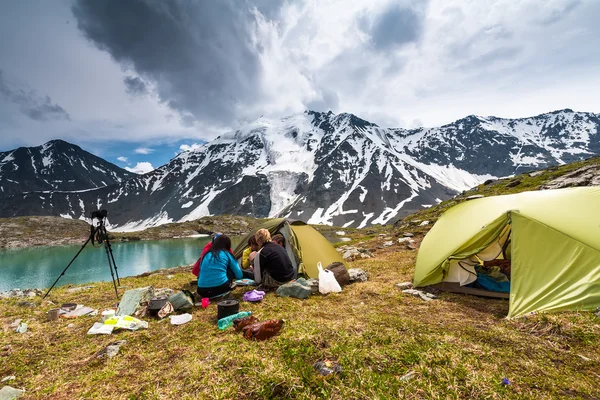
column 97, row 234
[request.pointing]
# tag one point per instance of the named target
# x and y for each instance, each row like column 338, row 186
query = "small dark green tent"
column 304, row 244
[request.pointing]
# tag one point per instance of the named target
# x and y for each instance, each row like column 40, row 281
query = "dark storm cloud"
column 199, row 54
column 36, row 107
column 396, row 26
column 135, row 86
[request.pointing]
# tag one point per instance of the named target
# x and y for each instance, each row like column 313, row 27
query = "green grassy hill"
column 389, row 345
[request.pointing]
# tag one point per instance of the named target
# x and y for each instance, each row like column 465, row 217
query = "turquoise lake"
column 38, row 267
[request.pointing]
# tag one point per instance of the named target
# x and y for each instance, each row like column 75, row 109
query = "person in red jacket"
column 196, row 268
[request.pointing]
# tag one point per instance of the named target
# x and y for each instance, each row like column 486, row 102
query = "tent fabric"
column 555, row 233
column 305, row 245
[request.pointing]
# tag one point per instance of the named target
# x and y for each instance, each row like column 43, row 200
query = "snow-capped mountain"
column 328, row 168
column 56, row 165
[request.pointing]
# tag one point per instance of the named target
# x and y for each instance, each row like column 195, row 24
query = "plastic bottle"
column 226, row 322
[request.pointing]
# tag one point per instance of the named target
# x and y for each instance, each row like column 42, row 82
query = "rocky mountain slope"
column 328, row 169
column 56, row 165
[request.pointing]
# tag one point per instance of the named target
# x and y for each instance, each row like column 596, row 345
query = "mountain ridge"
column 55, row 165
column 327, row 168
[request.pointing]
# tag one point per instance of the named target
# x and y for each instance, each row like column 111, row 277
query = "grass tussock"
column 455, row 347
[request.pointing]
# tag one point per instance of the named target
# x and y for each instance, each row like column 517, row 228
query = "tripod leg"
column 113, row 259
column 111, row 270
column 67, row 267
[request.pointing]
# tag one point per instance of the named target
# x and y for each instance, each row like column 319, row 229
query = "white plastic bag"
column 327, row 281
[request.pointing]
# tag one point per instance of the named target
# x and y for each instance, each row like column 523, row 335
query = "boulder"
column 357, row 275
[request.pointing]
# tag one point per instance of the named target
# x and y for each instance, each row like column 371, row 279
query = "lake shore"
column 20, row 232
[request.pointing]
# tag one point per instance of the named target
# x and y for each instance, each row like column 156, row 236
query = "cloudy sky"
column 137, row 81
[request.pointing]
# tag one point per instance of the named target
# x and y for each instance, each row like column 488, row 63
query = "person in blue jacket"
column 217, row 269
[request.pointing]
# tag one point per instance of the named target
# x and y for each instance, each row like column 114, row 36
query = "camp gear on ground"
column 53, row 314
column 357, row 275
column 245, row 282
column 226, row 308
column 551, row 238
column 205, row 302
column 68, row 306
column 181, row 301
column 226, row 322
column 106, row 314
column 165, row 310
column 327, row 282
column 240, row 323
column 79, row 311
column 340, row 272
column 254, row 295
column 305, row 245
column 131, row 300
column 263, row 330
column 299, row 289
column 126, row 322
column 156, row 303
column 100, row 329
column 181, row 319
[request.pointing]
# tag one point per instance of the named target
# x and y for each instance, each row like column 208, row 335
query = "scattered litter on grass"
column 584, row 358
column 181, row 319
column 327, row 367
column 419, row 293
column 100, row 329
column 126, row 322
column 15, row 324
column 22, row 328
column 404, row 285
column 79, row 311
column 245, row 282
column 505, row 381
column 79, row 289
column 8, row 378
column 408, row 376
column 9, row 393
column 111, row 350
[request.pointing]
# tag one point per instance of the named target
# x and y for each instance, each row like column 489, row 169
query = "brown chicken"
column 263, row 330
column 240, row 323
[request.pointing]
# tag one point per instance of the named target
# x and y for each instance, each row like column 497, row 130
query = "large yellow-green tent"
column 304, row 244
column 554, row 246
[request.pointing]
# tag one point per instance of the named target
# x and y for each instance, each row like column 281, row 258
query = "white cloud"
column 143, row 150
column 122, row 159
column 192, row 147
column 141, row 168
